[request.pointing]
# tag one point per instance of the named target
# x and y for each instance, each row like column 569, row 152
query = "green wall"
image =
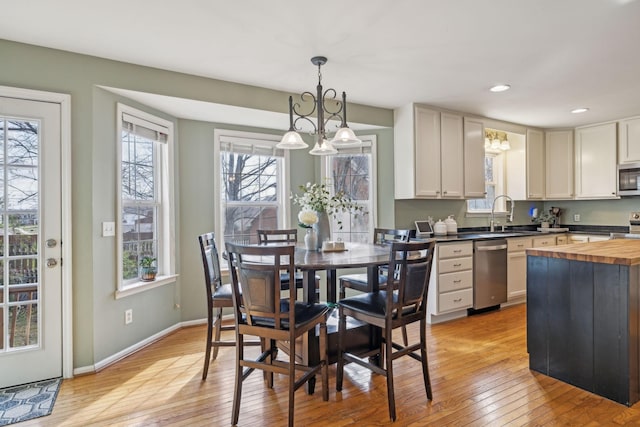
column 98, row 318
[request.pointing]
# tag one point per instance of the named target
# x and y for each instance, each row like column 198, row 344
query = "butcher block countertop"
column 617, row 251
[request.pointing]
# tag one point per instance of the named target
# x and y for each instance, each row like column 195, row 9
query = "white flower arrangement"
column 317, row 198
column 306, row 218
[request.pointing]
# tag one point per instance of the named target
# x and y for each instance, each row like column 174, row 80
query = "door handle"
column 51, row 243
column 51, row 262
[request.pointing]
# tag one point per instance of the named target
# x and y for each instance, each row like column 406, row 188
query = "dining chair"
column 287, row 235
column 402, row 303
column 261, row 311
column 359, row 281
column 218, row 297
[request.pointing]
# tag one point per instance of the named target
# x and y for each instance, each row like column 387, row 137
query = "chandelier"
column 496, row 141
column 324, row 103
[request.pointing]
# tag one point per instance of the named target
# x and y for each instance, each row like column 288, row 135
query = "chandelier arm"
column 297, row 128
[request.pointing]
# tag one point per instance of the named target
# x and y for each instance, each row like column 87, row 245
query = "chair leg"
column 342, row 292
column 217, row 328
column 342, row 327
column 405, row 337
column 268, row 344
column 207, row 353
column 325, row 361
column 292, row 379
column 237, row 391
column 389, row 369
column 425, row 363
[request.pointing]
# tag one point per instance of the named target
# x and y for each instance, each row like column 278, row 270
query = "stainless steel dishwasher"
column 489, row 273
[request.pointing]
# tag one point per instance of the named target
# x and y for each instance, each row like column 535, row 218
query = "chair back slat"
column 389, row 235
column 412, row 263
column 258, row 268
column 210, row 263
column 289, row 235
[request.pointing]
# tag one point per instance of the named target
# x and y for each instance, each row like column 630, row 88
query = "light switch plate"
column 576, row 217
column 108, row 229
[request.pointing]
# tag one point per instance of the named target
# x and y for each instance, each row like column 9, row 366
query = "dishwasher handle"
column 490, row 248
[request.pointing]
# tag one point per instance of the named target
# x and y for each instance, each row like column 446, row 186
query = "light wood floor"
column 478, row 365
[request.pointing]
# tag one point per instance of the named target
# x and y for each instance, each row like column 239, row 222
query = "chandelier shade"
column 324, row 103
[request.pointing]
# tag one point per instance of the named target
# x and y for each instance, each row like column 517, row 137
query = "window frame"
column 164, row 183
column 221, row 136
column 369, row 143
column 499, row 173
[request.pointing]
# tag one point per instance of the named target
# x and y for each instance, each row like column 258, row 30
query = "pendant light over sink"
column 324, row 102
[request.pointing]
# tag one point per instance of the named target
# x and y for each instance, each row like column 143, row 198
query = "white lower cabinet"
column 451, row 285
column 541, row 242
column 585, row 238
column 517, row 267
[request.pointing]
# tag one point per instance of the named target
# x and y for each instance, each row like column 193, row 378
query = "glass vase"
column 311, row 240
column 323, row 229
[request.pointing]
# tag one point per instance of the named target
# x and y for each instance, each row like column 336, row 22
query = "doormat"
column 24, row 402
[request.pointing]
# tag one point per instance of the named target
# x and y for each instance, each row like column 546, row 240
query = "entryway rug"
column 27, row 401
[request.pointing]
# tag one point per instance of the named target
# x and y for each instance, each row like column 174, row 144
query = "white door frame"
column 65, row 139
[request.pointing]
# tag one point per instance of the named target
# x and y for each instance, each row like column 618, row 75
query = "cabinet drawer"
column 561, row 240
column 454, row 281
column 455, row 250
column 455, row 300
column 518, row 244
column 544, row 241
column 455, row 264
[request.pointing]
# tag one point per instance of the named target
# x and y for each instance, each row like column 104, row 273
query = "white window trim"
column 367, row 141
column 501, row 210
column 221, row 134
column 167, row 224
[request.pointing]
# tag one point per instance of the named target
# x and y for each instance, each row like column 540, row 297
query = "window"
column 352, row 170
column 252, row 185
column 494, row 185
column 146, row 221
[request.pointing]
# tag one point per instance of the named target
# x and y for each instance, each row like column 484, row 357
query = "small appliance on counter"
column 440, row 228
column 423, row 229
column 452, row 225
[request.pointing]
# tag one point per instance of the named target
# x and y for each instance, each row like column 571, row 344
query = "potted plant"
column 544, row 219
column 148, row 269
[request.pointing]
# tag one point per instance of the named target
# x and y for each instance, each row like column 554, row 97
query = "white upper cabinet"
column 629, row 140
column 535, row 164
column 451, row 156
column 474, row 158
column 428, row 154
column 595, row 162
column 559, row 164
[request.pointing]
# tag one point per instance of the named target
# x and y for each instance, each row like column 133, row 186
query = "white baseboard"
column 433, row 319
column 83, row 370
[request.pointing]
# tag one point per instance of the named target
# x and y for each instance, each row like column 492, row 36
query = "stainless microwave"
column 629, row 179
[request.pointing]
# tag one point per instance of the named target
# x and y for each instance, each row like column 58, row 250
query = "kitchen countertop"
column 619, row 251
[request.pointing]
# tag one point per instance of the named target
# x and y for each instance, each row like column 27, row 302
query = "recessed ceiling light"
column 579, row 110
column 500, row 88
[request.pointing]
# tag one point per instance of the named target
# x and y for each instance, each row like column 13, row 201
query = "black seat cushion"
column 361, row 279
column 373, row 303
column 304, row 313
column 223, row 292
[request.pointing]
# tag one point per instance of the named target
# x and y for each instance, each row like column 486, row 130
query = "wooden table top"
column 355, row 255
column 617, row 251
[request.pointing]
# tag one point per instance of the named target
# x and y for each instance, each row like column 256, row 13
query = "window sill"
column 496, row 214
column 137, row 287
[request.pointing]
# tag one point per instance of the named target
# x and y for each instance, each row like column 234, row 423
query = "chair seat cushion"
column 304, row 313
column 223, row 292
column 372, row 303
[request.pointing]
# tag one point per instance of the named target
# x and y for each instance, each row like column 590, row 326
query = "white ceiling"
column 556, row 54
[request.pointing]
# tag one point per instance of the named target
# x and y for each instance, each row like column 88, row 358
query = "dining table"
column 361, row 338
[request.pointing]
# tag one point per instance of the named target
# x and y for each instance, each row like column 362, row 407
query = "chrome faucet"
column 493, row 205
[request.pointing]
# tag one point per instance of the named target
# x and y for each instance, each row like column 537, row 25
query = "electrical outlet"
column 576, row 217
column 108, row 229
column 128, row 316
